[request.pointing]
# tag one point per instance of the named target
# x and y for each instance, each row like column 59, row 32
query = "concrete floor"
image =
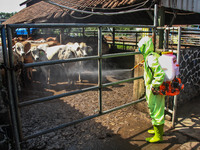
column 185, row 135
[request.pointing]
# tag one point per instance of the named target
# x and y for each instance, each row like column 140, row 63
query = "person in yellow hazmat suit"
column 153, row 77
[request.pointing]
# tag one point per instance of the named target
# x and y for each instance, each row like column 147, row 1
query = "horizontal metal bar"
column 122, row 106
column 52, row 62
column 169, row 110
column 64, row 25
column 190, row 32
column 119, row 54
column 48, row 98
column 167, row 28
column 80, row 120
column 120, row 31
column 121, row 81
column 185, row 32
column 186, row 29
column 59, row 127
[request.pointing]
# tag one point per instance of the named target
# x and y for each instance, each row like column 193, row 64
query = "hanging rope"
column 97, row 13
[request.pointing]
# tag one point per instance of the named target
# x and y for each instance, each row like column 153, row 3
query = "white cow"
column 45, row 53
column 40, row 55
column 60, row 52
column 70, row 67
column 80, row 50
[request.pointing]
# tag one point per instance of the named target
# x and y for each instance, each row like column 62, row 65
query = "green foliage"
column 4, row 15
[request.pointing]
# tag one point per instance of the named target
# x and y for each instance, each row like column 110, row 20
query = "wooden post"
column 29, row 32
column 61, row 35
column 113, row 34
column 138, row 85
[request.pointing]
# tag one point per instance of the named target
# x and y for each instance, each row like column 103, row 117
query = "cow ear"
column 89, row 48
column 13, row 47
column 42, row 52
column 78, row 49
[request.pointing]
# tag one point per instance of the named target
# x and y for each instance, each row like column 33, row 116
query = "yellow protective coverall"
column 153, row 77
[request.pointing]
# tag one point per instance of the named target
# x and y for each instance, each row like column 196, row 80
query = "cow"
column 69, row 68
column 71, row 50
column 80, row 50
column 17, row 60
column 45, row 53
column 61, row 52
column 27, row 72
column 40, row 55
column 21, row 49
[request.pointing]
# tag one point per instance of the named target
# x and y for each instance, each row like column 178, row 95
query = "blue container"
column 23, row 31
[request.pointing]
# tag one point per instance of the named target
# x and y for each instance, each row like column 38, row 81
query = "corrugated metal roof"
column 186, row 5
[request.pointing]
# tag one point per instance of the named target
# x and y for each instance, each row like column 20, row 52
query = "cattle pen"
column 14, row 98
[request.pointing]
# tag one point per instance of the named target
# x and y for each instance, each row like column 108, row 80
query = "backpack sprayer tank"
column 169, row 65
column 171, row 85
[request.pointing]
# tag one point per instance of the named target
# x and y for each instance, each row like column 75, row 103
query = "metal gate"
column 15, row 105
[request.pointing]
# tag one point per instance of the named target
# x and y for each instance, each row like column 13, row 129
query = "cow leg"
column 18, row 80
column 79, row 77
column 46, row 73
column 29, row 73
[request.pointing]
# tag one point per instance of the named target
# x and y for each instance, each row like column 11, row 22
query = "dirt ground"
column 124, row 129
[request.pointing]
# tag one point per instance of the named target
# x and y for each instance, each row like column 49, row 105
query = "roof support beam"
column 150, row 15
column 173, row 18
column 161, row 23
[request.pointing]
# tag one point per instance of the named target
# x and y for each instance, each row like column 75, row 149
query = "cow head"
column 84, row 49
column 37, row 54
column 19, row 49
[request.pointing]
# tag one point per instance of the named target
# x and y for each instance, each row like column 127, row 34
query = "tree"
column 4, row 15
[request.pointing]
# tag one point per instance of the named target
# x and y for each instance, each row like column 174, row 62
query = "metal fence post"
column 13, row 84
column 155, row 24
column 178, row 61
column 100, row 67
column 10, row 94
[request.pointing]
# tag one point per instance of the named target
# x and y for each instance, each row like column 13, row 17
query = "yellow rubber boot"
column 158, row 137
column 151, row 131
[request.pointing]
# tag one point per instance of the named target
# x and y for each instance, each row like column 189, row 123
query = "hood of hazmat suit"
column 153, row 77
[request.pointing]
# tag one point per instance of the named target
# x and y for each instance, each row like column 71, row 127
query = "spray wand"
column 139, row 64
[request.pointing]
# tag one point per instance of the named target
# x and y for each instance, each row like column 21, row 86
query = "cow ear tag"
column 42, row 53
